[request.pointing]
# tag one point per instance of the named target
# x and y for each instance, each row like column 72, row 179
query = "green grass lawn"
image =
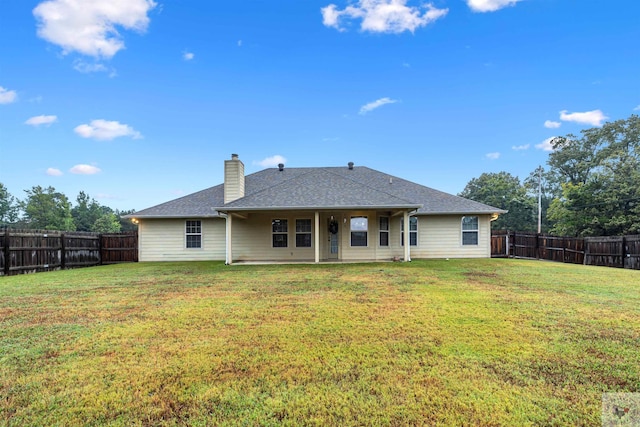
column 459, row 342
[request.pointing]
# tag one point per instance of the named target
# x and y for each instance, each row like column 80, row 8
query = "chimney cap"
column 350, row 164
column 234, row 157
column 280, row 167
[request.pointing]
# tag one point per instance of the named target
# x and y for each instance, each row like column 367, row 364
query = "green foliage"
column 462, row 342
column 87, row 211
column 503, row 190
column 126, row 224
column 8, row 206
column 107, row 223
column 600, row 175
column 47, row 209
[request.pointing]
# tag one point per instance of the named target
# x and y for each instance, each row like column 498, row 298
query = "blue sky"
column 137, row 102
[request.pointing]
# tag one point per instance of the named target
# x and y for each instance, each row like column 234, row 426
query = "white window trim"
column 359, row 231
column 186, row 233
column 410, row 231
column 387, row 231
column 462, row 231
column 310, row 232
column 273, row 233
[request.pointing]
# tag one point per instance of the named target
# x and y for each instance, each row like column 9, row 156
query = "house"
column 314, row 214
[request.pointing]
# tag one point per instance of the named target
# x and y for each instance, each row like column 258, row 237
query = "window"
column 384, row 231
column 469, row 230
column 279, row 228
column 413, row 231
column 359, row 227
column 193, row 234
column 303, row 233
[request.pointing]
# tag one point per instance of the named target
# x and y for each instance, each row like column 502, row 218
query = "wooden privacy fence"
column 622, row 252
column 30, row 251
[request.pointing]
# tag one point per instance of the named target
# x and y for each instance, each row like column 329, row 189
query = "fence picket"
column 621, row 252
column 26, row 251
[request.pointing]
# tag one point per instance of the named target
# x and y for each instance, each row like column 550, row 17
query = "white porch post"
column 229, row 239
column 407, row 242
column 317, row 236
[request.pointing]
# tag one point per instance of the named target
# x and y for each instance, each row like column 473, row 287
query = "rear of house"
column 313, row 215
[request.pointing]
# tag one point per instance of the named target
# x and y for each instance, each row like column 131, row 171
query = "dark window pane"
column 469, row 222
column 194, row 241
column 303, row 240
column 279, row 240
column 279, row 226
column 470, row 238
column 384, row 223
column 384, row 238
column 358, row 238
column 303, row 226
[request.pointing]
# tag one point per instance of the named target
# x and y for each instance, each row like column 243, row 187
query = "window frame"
column 470, row 231
column 383, row 231
column 279, row 234
column 413, row 234
column 192, row 231
column 304, row 233
column 362, row 233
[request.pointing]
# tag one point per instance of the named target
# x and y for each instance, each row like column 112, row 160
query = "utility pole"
column 539, row 199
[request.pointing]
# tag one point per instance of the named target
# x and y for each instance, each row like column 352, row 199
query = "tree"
column 126, row 224
column 599, row 175
column 503, row 190
column 87, row 212
column 107, row 223
column 47, row 209
column 8, row 206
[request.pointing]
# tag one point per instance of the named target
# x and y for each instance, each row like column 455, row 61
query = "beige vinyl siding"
column 252, row 238
column 164, row 240
column 441, row 237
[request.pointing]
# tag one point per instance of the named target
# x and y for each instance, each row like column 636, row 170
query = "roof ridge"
column 374, row 188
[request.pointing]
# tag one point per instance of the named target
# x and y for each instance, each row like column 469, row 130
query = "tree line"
column 48, row 209
column 589, row 187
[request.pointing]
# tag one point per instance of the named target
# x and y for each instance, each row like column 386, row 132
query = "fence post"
column 7, row 252
column 623, row 255
column 100, row 248
column 63, row 252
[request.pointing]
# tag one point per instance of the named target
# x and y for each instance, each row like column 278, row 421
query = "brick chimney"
column 233, row 179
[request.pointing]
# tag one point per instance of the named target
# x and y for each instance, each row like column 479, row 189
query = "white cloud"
column 239, row 43
column 7, row 96
column 493, row 156
column 41, row 120
column 490, row 5
column 85, row 170
column 546, row 144
column 520, row 147
column 637, row 108
column 382, row 16
column 376, row 104
column 54, row 172
column 104, row 130
column 85, row 67
column 593, row 118
column 188, row 56
column 271, row 162
column 549, row 124
column 90, row 27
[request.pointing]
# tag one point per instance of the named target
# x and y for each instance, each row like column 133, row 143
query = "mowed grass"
column 460, row 342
